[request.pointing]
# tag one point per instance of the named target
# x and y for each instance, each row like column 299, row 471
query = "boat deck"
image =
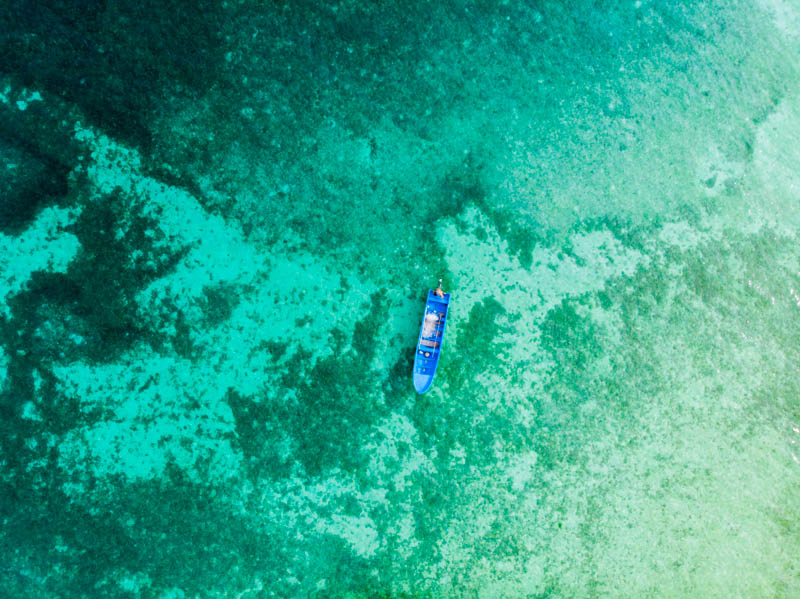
column 430, row 341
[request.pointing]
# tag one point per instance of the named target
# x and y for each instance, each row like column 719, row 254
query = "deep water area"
column 219, row 221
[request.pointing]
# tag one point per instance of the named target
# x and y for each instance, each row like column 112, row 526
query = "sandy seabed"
column 212, row 279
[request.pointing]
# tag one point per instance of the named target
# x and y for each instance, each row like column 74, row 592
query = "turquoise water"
column 218, row 225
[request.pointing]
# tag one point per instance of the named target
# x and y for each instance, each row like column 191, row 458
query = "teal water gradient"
column 208, row 317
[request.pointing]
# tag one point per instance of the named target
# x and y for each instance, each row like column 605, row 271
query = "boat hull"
column 429, row 343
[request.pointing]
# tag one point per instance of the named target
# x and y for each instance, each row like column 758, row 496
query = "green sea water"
column 218, row 225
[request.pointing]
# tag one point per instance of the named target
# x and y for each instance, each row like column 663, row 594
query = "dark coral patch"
column 323, row 410
column 27, row 182
column 115, row 60
column 90, row 311
column 569, row 336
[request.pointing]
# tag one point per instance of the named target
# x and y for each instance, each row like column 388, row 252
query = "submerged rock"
column 27, row 182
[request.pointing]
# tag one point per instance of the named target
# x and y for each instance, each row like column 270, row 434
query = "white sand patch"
column 680, row 235
column 469, row 532
column 175, row 408
column 30, row 411
column 132, row 582
column 21, row 98
column 715, row 171
column 676, row 504
column 521, row 470
column 688, row 492
column 156, row 409
column 394, row 456
column 43, row 246
column 285, row 305
column 402, row 531
column 298, row 504
column 486, row 268
column 776, row 156
column 275, row 289
column 785, row 16
column 111, row 164
column 679, row 434
column 359, row 531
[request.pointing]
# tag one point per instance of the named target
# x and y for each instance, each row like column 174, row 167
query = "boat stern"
column 422, row 382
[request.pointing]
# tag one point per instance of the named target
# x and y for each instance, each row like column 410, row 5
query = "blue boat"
column 431, row 335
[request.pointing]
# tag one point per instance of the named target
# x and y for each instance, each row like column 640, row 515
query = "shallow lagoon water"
column 219, row 224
